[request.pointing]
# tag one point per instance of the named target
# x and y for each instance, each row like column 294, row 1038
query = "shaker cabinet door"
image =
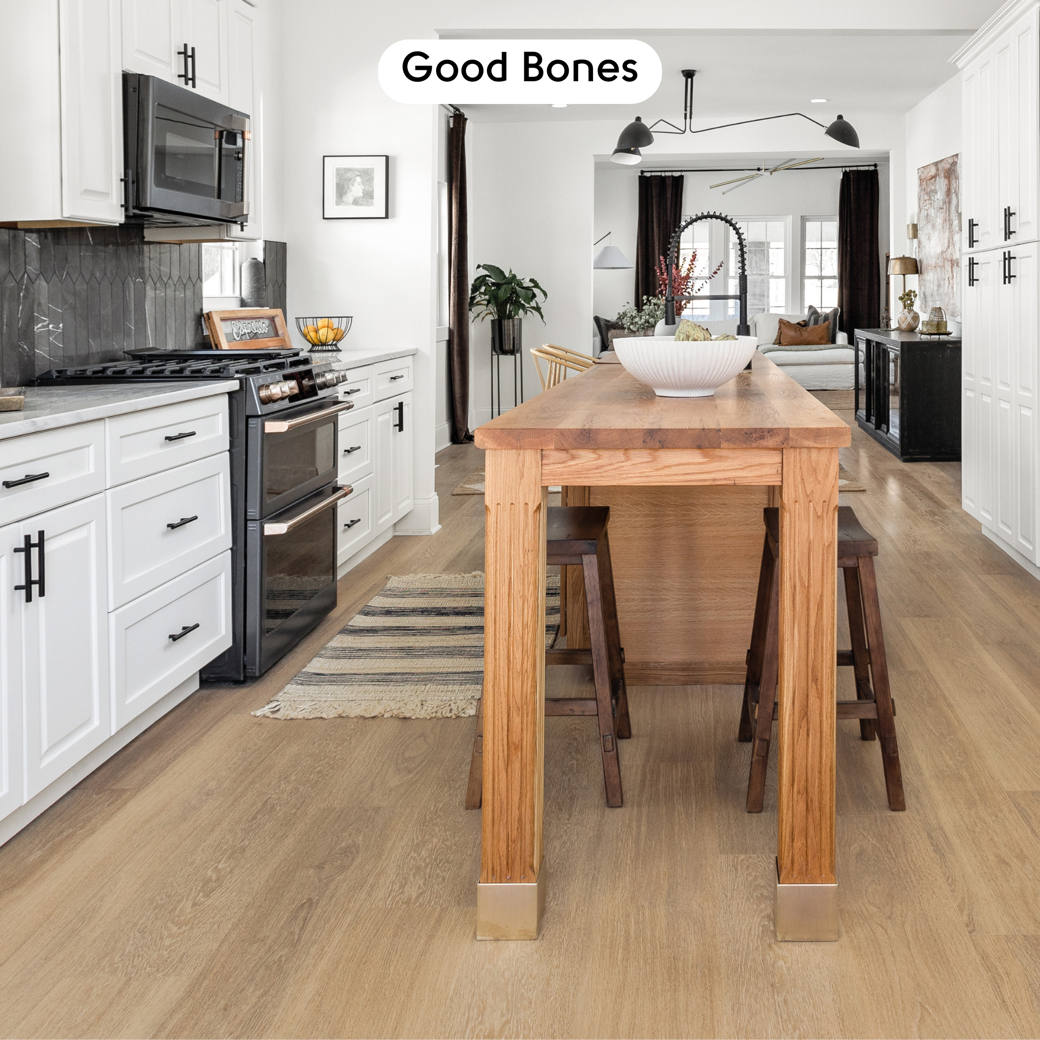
column 12, row 781
column 402, row 457
column 64, row 642
column 151, row 39
column 205, row 28
column 91, row 111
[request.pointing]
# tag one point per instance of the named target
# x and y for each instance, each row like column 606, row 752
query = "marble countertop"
column 349, row 358
column 47, row 407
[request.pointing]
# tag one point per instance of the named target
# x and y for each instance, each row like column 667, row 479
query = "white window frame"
column 806, row 219
column 792, row 284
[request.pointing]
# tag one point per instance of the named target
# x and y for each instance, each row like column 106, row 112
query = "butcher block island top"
column 607, row 407
column 760, row 440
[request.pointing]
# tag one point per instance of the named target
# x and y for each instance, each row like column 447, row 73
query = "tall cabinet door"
column 1024, row 348
column 91, row 110
column 979, row 168
column 12, row 783
column 1026, row 43
column 978, row 405
column 64, row 643
column 245, row 96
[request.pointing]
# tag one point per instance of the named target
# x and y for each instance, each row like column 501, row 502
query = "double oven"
column 291, row 497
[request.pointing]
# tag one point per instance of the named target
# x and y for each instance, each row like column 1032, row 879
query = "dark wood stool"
column 577, row 537
column 873, row 707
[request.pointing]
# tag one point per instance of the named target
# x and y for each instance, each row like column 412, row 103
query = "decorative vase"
column 908, row 319
column 506, row 335
column 675, row 368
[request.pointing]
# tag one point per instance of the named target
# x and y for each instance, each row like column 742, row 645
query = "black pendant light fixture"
column 637, row 135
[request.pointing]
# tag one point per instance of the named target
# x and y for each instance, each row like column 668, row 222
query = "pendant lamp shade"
column 843, row 132
column 635, row 136
column 610, row 258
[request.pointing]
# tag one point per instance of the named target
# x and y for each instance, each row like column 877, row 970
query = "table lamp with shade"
column 908, row 319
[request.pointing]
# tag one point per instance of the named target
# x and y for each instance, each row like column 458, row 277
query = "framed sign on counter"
column 356, row 187
column 257, row 328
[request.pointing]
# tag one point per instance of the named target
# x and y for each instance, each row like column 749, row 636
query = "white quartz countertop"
column 357, row 357
column 47, row 407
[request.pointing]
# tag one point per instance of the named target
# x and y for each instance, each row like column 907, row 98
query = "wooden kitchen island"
column 761, row 439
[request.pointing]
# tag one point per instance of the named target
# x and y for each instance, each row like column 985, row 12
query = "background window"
column 766, row 242
column 820, row 275
column 698, row 239
column 220, row 270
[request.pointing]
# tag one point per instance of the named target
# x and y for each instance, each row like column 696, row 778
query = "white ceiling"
column 768, row 73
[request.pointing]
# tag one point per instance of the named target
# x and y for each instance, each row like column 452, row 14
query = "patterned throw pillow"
column 816, row 317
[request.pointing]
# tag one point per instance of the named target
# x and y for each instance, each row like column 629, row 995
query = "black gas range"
column 284, row 457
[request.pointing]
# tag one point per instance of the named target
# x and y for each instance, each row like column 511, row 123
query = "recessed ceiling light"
column 559, row 105
column 818, row 101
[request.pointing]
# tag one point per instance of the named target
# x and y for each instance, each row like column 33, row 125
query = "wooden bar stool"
column 873, row 707
column 577, row 537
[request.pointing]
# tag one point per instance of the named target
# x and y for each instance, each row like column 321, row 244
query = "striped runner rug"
column 416, row 651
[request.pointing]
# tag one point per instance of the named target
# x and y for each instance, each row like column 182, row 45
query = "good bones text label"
column 520, row 72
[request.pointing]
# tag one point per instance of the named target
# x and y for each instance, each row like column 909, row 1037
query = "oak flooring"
column 229, row 876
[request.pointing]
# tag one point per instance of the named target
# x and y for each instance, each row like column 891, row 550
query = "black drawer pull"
column 353, row 390
column 183, row 520
column 350, row 523
column 179, row 436
column 350, row 451
column 393, row 379
column 27, row 479
column 174, row 636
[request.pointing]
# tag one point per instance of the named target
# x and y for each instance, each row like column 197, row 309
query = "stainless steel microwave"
column 184, row 156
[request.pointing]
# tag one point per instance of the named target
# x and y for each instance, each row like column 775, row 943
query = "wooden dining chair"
column 559, row 360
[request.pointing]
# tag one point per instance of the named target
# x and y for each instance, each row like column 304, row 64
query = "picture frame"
column 355, row 187
column 252, row 328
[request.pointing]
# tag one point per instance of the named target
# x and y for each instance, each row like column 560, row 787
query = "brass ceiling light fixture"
column 637, row 135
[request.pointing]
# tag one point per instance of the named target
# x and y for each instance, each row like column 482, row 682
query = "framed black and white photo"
column 356, row 187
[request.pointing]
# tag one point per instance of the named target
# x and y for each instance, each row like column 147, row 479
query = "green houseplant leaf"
column 496, row 294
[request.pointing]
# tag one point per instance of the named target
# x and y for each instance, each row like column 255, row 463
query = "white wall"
column 933, row 132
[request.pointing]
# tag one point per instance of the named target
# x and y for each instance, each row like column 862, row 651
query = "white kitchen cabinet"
column 12, row 779
column 393, row 460
column 61, row 638
column 62, row 125
column 181, row 41
column 1001, row 352
column 244, row 94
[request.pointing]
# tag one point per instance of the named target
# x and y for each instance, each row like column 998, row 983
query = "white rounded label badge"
column 520, row 72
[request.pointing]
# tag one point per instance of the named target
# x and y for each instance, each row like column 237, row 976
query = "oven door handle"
column 285, row 425
column 276, row 527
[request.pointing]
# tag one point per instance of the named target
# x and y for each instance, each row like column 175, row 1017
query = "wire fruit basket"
column 324, row 334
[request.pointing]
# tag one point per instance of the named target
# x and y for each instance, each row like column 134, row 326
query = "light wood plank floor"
column 230, row 876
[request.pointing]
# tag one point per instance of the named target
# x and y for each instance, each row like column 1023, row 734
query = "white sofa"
column 827, row 367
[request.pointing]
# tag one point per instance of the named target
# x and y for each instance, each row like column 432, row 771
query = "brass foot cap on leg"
column 805, row 913
column 511, row 911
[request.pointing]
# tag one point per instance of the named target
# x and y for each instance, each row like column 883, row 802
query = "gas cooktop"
column 182, row 364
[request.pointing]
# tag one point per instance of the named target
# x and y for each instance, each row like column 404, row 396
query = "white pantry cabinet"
column 109, row 601
column 1001, row 352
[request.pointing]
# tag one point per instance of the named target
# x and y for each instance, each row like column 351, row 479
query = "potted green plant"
column 505, row 299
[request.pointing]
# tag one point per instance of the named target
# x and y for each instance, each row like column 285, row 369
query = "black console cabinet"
column 908, row 393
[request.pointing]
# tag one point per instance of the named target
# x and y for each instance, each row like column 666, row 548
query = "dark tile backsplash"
column 79, row 296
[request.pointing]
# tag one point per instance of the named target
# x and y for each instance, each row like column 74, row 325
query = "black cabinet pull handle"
column 972, row 277
column 393, row 379
column 183, row 520
column 179, row 436
column 399, row 425
column 350, row 523
column 174, row 636
column 193, row 67
column 350, row 451
column 353, row 390
column 972, row 240
column 1010, row 276
column 27, row 479
column 27, row 548
column 184, row 75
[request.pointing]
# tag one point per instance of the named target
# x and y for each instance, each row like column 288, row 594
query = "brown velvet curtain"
column 859, row 268
column 458, row 281
column 660, row 213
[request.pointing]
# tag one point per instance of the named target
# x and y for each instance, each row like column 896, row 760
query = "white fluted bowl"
column 684, row 368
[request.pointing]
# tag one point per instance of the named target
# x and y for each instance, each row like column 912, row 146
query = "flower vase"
column 908, row 319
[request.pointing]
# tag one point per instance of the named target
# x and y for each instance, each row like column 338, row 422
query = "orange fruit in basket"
column 325, row 335
column 310, row 333
column 324, row 323
column 337, row 335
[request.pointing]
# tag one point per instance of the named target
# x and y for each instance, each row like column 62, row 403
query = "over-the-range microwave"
column 184, row 156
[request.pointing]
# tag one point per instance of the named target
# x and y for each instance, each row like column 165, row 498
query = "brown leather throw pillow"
column 801, row 324
column 799, row 335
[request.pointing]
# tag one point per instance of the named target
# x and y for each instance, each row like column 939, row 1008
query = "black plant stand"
column 496, row 379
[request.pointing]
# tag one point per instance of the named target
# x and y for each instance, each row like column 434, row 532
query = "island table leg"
column 511, row 891
column 806, row 903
